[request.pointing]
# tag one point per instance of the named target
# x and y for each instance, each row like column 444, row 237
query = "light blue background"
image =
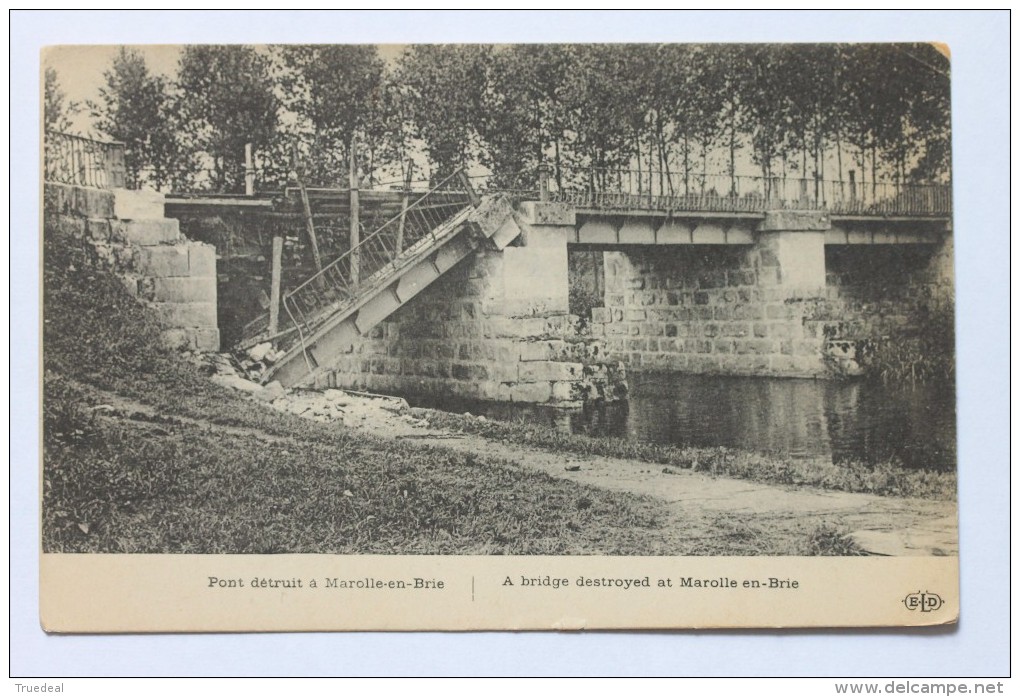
column 979, row 646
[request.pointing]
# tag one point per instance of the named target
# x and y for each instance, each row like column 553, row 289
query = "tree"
column 335, row 92
column 137, row 110
column 56, row 113
column 522, row 117
column 227, row 100
column 442, row 91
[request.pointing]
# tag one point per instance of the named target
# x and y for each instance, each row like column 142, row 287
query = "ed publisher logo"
column 925, row 602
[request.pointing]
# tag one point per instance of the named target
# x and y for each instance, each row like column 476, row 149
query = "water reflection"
column 797, row 418
column 800, row 419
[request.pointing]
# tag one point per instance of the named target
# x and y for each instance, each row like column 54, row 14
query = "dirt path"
column 881, row 524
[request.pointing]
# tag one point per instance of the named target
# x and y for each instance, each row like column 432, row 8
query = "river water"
column 861, row 421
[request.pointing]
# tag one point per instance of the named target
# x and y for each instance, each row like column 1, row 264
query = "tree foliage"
column 227, row 100
column 334, row 93
column 55, row 109
column 138, row 109
column 673, row 118
column 442, row 87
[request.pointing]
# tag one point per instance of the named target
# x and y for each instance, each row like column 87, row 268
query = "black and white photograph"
column 509, row 342
column 570, row 300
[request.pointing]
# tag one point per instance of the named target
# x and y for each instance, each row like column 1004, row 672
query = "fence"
column 80, row 161
column 416, row 227
column 630, row 189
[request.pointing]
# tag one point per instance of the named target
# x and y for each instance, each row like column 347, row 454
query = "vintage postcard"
column 455, row 337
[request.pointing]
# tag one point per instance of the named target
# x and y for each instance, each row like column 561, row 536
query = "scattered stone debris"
column 349, row 407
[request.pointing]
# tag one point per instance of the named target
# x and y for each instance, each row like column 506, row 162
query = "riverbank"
column 765, row 496
column 143, row 452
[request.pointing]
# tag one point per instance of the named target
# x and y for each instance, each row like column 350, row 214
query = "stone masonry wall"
column 705, row 309
column 455, row 340
column 724, row 309
column 126, row 230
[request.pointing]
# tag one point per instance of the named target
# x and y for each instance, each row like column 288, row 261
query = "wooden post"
column 543, row 182
column 306, row 207
column 116, row 169
column 249, row 171
column 465, row 181
column 404, row 201
column 274, row 288
column 310, row 224
column 355, row 213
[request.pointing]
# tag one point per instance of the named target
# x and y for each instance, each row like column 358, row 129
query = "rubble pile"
column 255, row 361
column 354, row 409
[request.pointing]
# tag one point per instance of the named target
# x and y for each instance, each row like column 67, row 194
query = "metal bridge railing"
column 415, row 228
column 630, row 189
column 80, row 161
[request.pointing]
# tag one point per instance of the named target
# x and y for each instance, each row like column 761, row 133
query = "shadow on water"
column 800, row 419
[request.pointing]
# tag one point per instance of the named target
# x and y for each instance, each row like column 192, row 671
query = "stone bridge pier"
column 495, row 327
column 720, row 308
column 785, row 293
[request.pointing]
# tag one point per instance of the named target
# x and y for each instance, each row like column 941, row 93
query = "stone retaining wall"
column 127, row 231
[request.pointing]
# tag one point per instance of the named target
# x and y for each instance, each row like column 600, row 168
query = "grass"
column 217, row 472
column 885, row 479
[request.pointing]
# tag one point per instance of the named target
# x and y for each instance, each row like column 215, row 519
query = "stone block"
column 186, row 314
column 201, row 259
column 547, row 213
column 635, row 315
column 807, row 347
column 138, row 205
column 92, row 203
column 531, row 392
column 164, row 261
column 490, row 214
column 752, row 312
column 178, row 290
column 563, row 391
column 98, row 229
column 145, row 233
column 734, row 329
column 65, row 226
column 740, row 277
column 541, row 350
column 600, row 315
column 540, row 371
column 755, row 346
